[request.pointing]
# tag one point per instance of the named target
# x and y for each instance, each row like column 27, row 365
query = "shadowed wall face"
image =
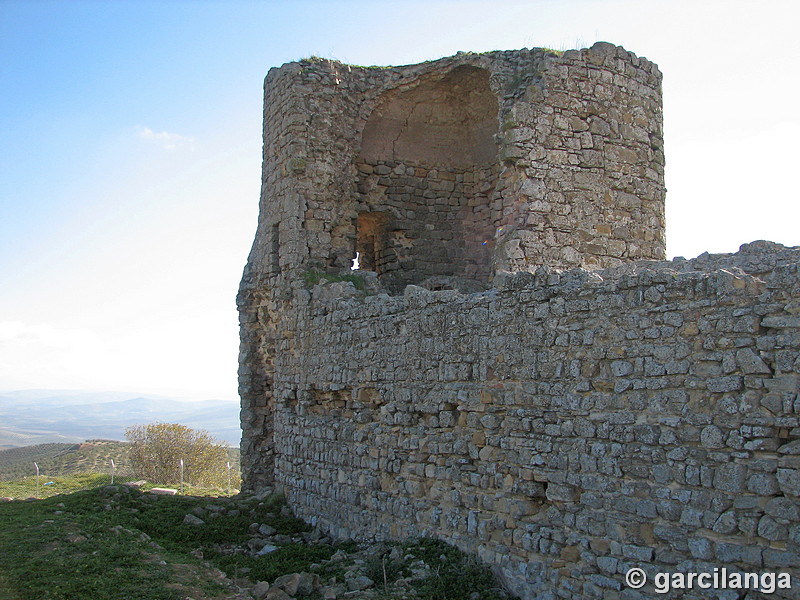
column 447, row 122
column 425, row 180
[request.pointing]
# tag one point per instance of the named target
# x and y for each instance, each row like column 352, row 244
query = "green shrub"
column 312, row 277
column 157, row 449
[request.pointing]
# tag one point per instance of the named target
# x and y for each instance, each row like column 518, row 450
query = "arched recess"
column 427, row 170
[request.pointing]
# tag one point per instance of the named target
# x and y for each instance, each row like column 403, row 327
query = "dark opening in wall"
column 275, row 250
column 426, row 180
column 371, row 248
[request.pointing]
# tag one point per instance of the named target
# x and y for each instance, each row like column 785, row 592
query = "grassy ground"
column 113, row 543
column 49, row 487
column 109, row 544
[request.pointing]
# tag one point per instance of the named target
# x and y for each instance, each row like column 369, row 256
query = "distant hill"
column 31, row 417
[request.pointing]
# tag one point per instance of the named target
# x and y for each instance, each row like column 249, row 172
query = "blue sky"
column 130, row 136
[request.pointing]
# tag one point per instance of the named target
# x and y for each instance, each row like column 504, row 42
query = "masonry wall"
column 430, row 222
column 564, row 426
column 511, row 375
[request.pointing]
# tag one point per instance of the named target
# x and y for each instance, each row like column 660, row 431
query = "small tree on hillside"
column 157, row 449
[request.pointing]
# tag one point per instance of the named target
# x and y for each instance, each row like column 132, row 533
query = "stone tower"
column 444, row 174
column 513, row 367
column 448, row 172
column 463, row 166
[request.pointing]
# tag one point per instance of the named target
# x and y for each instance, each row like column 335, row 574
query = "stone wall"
column 564, row 426
column 428, row 222
column 509, row 375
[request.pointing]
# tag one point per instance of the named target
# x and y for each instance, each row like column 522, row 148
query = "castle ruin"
column 513, row 367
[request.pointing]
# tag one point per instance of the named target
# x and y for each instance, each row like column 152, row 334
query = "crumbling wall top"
column 461, row 167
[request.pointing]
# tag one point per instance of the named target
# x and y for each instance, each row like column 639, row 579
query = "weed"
column 312, row 277
column 114, row 542
column 438, row 571
column 455, row 575
column 385, row 569
column 547, row 50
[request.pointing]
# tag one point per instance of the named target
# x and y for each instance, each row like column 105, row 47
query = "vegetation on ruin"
column 313, row 59
column 312, row 277
column 550, row 50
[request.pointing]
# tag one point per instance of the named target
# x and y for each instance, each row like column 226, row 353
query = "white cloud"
column 43, row 355
column 158, row 354
column 730, row 189
column 19, row 333
column 167, row 140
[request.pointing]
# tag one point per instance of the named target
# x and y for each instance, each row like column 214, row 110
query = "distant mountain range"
column 29, row 417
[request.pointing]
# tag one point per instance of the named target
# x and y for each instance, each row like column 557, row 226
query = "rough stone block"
column 730, row 477
column 701, row 548
column 562, row 492
column 738, row 554
column 789, row 481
